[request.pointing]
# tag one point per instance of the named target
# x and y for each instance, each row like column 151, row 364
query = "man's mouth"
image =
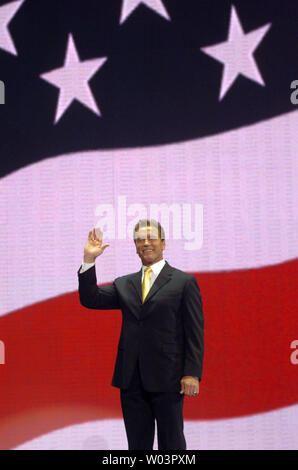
column 147, row 250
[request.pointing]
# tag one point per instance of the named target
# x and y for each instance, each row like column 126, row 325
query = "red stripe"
column 60, row 356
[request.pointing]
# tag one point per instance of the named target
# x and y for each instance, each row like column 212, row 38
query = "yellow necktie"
column 146, row 283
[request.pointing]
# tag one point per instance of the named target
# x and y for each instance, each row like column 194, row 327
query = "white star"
column 72, row 79
column 237, row 53
column 7, row 12
column 129, row 6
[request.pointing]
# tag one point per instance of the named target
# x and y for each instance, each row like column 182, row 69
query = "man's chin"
column 148, row 258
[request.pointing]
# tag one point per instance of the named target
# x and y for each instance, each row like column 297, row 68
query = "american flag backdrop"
column 125, row 104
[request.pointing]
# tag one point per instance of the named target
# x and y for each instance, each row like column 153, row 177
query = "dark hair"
column 149, row 223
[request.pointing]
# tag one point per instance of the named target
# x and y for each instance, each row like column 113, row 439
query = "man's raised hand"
column 94, row 246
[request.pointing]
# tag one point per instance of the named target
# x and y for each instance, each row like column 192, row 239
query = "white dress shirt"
column 156, row 268
column 86, row 266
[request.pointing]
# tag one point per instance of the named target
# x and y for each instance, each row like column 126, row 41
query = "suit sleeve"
column 92, row 296
column 193, row 324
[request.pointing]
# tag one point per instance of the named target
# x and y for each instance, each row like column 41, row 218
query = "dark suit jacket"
column 166, row 332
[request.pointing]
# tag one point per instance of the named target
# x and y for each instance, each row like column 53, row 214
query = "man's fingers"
column 192, row 394
column 98, row 233
column 91, row 235
column 95, row 234
column 189, row 391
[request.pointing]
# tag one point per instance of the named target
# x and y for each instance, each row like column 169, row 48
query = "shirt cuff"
column 86, row 266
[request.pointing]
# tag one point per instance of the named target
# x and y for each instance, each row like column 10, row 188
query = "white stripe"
column 245, row 179
column 265, row 431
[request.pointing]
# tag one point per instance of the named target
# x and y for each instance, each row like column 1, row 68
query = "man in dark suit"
column 161, row 345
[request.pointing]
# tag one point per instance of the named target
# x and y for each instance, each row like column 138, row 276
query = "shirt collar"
column 156, row 267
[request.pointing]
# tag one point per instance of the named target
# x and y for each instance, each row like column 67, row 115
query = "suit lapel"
column 136, row 280
column 163, row 277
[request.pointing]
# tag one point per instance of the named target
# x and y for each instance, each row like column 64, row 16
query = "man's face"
column 149, row 246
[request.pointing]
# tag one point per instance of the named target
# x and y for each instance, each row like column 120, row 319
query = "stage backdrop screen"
column 186, row 112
